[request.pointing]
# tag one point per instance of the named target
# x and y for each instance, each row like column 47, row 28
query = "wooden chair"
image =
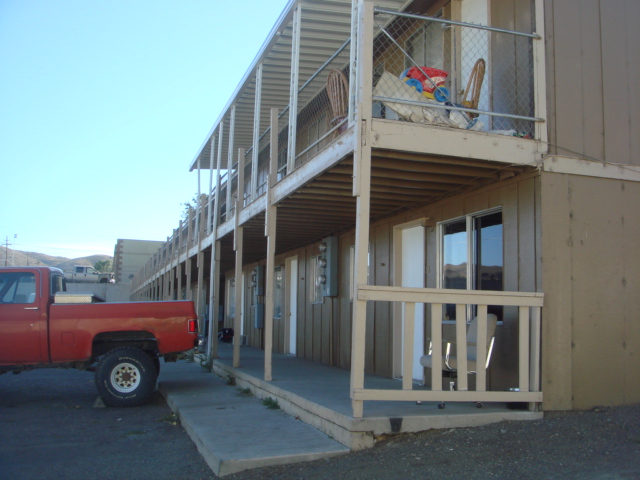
column 471, row 95
column 338, row 93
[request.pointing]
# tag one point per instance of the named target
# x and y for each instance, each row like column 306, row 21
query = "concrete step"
column 232, row 429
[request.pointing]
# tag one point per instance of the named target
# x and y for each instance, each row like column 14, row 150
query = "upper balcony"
column 328, row 64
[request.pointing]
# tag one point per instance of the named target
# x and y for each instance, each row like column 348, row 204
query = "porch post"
column 198, row 204
column 238, row 247
column 362, row 190
column 539, row 80
column 256, row 134
column 210, row 197
column 270, row 232
column 232, row 125
column 293, row 92
column 214, row 282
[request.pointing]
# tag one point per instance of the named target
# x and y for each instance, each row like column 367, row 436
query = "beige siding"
column 593, row 69
column 590, row 229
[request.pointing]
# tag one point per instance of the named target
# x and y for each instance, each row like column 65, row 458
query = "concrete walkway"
column 232, row 429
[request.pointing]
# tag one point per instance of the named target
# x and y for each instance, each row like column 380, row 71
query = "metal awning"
column 325, row 27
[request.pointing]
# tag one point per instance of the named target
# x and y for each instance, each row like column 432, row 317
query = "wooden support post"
column 270, row 232
column 232, row 124
column 187, row 259
column 293, row 92
column 210, row 197
column 214, row 281
column 240, row 203
column 362, row 189
column 256, row 134
column 237, row 325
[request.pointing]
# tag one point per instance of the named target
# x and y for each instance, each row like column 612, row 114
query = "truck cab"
column 84, row 274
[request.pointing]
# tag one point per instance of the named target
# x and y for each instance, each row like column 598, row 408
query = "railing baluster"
column 523, row 349
column 461, row 346
column 436, row 341
column 407, row 365
column 481, row 350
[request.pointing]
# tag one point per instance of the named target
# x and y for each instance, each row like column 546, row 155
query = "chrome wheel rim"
column 125, row 377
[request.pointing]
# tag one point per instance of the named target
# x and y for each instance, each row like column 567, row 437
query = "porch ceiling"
column 400, row 181
column 325, row 27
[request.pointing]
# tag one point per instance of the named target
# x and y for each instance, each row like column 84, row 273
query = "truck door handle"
column 31, row 308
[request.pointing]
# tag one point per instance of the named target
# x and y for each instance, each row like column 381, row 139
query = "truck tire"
column 126, row 377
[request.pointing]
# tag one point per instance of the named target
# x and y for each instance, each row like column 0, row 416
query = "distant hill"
column 9, row 257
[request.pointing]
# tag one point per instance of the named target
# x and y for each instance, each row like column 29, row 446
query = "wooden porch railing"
column 529, row 306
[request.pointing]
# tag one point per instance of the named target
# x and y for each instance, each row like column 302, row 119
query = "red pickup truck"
column 43, row 327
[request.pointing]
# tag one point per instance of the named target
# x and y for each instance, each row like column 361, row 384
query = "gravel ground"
column 50, row 430
column 602, row 444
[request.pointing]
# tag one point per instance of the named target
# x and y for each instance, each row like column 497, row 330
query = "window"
column 471, row 256
column 58, row 284
column 278, row 293
column 17, row 287
column 316, row 280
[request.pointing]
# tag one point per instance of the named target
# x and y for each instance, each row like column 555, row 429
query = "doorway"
column 291, row 304
column 409, row 261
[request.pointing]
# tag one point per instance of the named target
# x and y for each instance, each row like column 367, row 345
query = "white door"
column 291, row 302
column 409, row 254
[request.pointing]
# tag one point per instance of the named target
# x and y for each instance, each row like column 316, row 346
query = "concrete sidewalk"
column 233, row 430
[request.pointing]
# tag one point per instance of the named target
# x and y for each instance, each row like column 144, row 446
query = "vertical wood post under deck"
column 362, row 190
column 187, row 259
column 293, row 92
column 270, row 232
column 232, row 126
column 238, row 247
column 214, row 283
column 256, row 134
column 210, row 197
column 238, row 239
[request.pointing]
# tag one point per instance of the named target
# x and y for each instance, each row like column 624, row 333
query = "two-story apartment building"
column 388, row 171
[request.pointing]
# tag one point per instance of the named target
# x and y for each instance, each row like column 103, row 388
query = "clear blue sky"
column 104, row 104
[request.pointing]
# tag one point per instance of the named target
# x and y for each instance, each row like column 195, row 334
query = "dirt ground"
column 602, row 444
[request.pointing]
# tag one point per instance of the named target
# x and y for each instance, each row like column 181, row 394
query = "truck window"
column 17, row 287
column 58, row 284
column 79, row 269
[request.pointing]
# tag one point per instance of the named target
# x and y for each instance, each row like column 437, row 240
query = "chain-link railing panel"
column 454, row 75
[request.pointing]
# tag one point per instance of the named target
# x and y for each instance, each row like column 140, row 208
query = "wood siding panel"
column 630, row 289
column 381, row 270
column 616, row 86
column 557, row 313
column 593, row 67
column 597, row 270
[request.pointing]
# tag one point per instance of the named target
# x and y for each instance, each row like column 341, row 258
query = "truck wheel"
column 126, row 377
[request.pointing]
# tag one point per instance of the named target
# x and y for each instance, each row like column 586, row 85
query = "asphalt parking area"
column 50, row 429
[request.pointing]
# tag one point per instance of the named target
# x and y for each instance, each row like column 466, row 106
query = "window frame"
column 471, row 253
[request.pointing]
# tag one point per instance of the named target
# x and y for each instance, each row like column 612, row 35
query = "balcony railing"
column 527, row 388
column 430, row 70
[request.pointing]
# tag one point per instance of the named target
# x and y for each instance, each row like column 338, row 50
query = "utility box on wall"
column 329, row 252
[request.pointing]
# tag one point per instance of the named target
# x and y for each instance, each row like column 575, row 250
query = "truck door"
column 22, row 321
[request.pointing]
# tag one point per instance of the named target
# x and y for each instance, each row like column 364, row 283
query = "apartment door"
column 291, row 304
column 409, row 261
